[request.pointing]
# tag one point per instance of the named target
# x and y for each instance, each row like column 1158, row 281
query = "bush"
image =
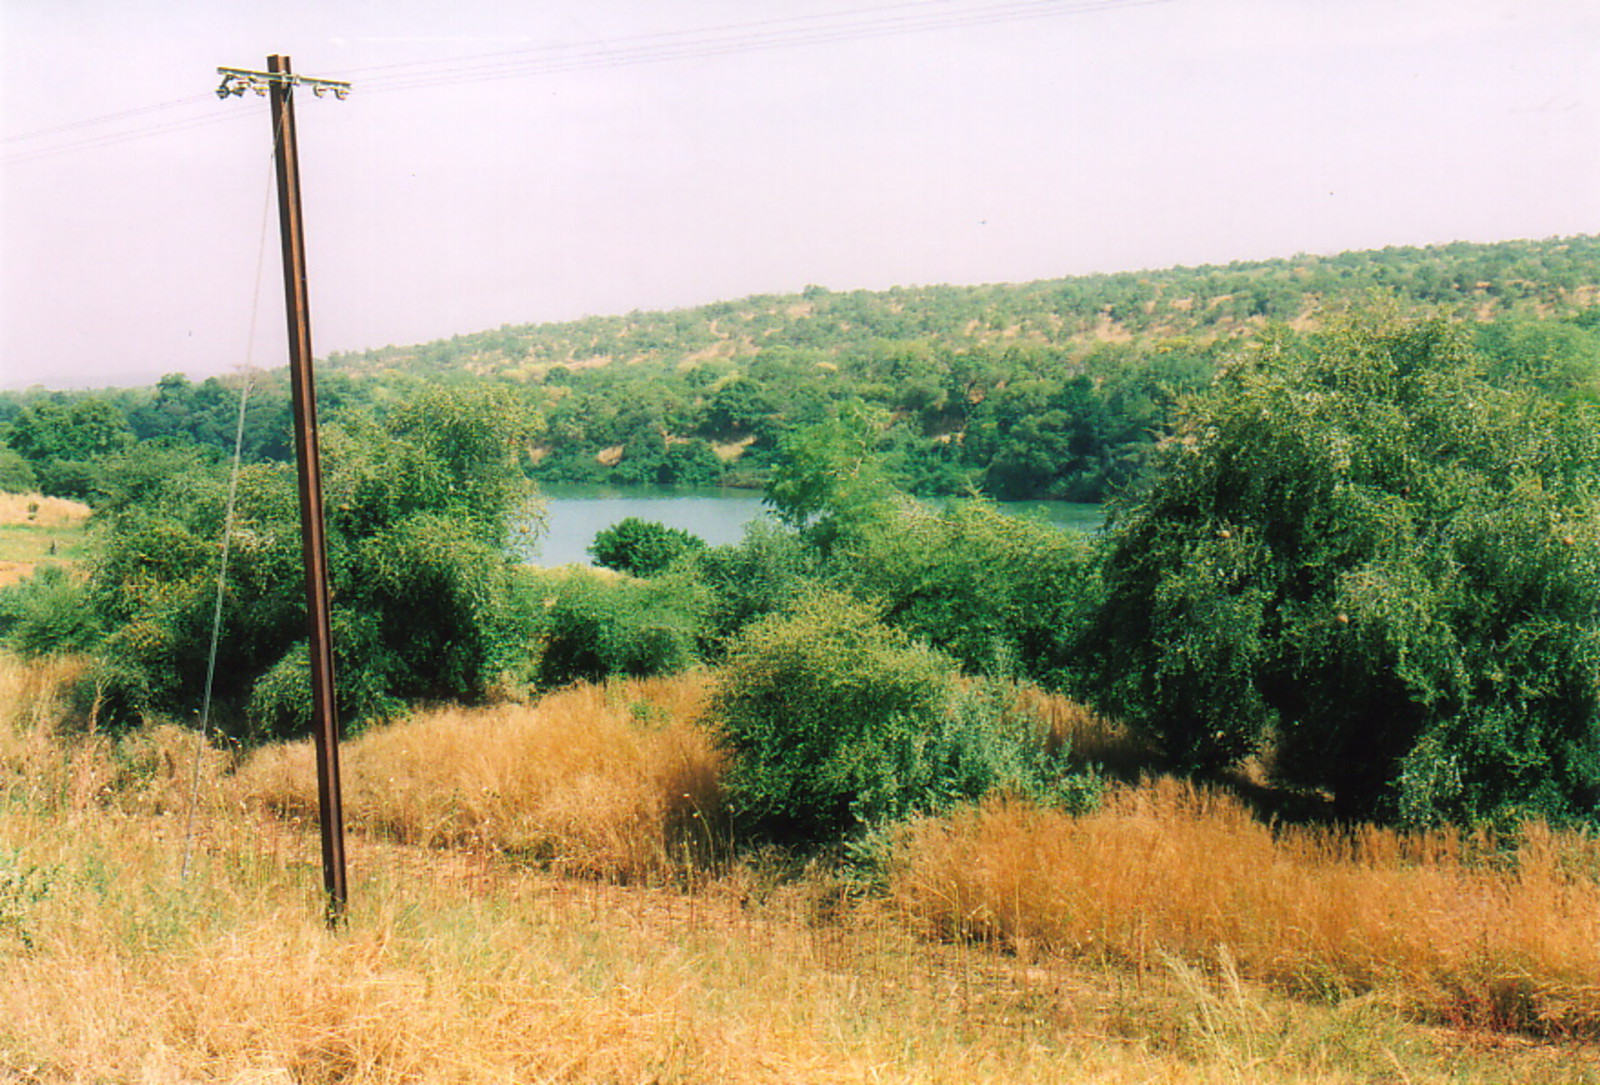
column 999, row 593
column 595, row 628
column 419, row 513
column 841, row 723
column 1361, row 555
column 765, row 572
column 79, row 480
column 48, row 614
column 642, row 547
column 16, row 474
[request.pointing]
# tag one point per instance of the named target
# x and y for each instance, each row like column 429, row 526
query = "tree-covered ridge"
column 1054, row 389
column 1553, row 277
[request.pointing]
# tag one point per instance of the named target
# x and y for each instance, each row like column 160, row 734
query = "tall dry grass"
column 41, row 511
column 120, row 961
column 1455, row 929
column 615, row 780
column 52, row 755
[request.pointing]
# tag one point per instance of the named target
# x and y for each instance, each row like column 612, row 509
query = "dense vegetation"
column 1049, row 389
column 1361, row 554
column 1358, row 555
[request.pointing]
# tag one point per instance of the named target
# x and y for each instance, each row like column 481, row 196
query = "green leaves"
column 642, row 547
column 842, row 723
column 419, row 508
column 1359, row 553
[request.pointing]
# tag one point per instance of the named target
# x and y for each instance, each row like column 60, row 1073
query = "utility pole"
column 280, row 81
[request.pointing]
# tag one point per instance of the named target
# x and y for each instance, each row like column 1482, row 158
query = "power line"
column 737, row 38
column 104, row 119
column 787, row 32
column 630, row 41
column 109, row 139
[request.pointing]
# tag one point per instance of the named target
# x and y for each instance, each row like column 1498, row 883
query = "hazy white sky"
column 507, row 162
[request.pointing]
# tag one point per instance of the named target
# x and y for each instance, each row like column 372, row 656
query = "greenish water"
column 576, row 513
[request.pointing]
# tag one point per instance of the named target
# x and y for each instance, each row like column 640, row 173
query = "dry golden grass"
column 613, row 780
column 41, row 511
column 469, row 965
column 1443, row 927
column 35, row 528
column 1089, row 738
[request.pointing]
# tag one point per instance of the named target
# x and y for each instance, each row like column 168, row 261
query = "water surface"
column 576, row 513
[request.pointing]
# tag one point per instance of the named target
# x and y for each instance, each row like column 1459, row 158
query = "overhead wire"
column 40, row 133
column 110, row 139
column 793, row 31
column 634, row 39
column 735, row 38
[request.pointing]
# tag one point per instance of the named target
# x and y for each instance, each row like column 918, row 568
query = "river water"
column 576, row 513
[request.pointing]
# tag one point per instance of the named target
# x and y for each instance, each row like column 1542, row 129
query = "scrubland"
column 553, row 892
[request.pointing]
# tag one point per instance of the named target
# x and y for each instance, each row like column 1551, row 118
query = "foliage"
column 419, row 511
column 769, row 569
column 642, row 547
column 1361, row 556
column 595, row 627
column 841, row 723
column 68, row 429
column 1000, row 593
column 1051, row 389
column 828, row 484
column 16, row 473
column 47, row 614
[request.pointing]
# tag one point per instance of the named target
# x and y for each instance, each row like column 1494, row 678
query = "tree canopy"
column 1360, row 558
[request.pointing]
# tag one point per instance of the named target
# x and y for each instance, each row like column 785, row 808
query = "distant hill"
column 1054, row 389
column 1051, row 389
column 1555, row 277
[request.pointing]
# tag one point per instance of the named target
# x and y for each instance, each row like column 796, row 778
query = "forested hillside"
column 1054, row 389
column 1046, row 389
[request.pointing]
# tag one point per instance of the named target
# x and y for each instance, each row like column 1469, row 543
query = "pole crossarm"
column 236, row 81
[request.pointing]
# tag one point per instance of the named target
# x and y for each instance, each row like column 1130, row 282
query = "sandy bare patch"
column 40, row 510
column 731, row 451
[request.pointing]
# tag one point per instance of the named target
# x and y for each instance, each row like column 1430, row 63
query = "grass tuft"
column 613, row 781
column 1466, row 931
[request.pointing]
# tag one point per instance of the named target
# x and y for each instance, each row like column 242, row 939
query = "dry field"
column 34, row 528
column 547, row 894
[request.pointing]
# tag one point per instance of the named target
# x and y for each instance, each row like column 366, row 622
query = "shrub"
column 998, row 592
column 16, row 474
column 642, row 547
column 841, row 723
column 765, row 572
column 596, row 627
column 47, row 614
column 419, row 513
column 1360, row 554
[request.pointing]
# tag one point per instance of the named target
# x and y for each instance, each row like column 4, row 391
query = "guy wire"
column 227, row 520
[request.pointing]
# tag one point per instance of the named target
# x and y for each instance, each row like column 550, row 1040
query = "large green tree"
column 420, row 510
column 1361, row 557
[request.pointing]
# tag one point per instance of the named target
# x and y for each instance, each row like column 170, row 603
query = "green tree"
column 1001, row 594
column 16, row 474
column 593, row 628
column 642, row 547
column 58, row 429
column 420, row 510
column 1360, row 555
column 841, row 724
column 828, row 482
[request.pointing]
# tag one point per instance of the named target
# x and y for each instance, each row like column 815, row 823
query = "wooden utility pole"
column 280, row 81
